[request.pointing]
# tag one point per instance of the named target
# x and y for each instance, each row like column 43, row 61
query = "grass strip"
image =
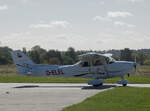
column 118, row 99
column 23, row 79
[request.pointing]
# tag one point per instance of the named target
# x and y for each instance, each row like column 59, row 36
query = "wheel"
column 124, row 85
column 123, row 82
column 97, row 85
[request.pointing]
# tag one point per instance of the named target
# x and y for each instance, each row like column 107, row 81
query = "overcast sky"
column 82, row 24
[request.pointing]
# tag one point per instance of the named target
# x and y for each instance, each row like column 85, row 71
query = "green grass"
column 118, row 99
column 22, row 79
column 134, row 79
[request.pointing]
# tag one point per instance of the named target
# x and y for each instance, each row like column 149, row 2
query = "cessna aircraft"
column 90, row 65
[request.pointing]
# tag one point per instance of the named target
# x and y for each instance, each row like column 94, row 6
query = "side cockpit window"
column 103, row 61
column 85, row 64
column 98, row 62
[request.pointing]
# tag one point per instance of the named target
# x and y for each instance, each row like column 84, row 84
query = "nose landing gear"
column 123, row 82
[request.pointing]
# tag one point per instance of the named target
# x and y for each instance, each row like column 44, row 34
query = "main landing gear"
column 96, row 82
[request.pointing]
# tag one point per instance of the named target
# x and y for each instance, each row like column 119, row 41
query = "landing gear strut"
column 96, row 82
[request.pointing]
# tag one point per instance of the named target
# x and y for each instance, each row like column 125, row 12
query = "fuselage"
column 113, row 69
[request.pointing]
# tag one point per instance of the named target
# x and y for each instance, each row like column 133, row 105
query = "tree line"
column 43, row 56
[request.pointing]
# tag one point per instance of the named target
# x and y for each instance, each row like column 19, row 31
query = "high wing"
column 93, row 57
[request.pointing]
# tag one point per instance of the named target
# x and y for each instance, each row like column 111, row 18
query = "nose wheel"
column 123, row 82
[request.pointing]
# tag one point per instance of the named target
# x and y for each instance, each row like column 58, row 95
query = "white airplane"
column 90, row 65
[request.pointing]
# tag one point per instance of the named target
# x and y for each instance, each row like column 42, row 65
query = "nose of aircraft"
column 130, row 66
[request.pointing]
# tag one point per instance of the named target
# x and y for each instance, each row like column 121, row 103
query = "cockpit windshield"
column 97, row 62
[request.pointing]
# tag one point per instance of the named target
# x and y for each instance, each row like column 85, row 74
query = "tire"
column 124, row 85
column 97, row 85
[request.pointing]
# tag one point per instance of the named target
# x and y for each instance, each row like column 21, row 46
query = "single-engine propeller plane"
column 90, row 65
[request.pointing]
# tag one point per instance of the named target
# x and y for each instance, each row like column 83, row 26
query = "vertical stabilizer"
column 23, row 63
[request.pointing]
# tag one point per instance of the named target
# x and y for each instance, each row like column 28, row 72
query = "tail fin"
column 23, row 63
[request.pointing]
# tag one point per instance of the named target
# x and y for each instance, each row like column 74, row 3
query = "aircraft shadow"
column 27, row 86
column 67, row 86
column 99, row 87
column 57, row 86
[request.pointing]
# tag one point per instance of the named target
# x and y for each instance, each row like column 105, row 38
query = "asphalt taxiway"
column 47, row 96
column 43, row 97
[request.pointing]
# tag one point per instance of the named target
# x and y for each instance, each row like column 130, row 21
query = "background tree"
column 24, row 50
column 36, row 54
column 54, row 61
column 141, row 58
column 5, row 57
column 53, row 54
column 72, row 54
column 67, row 60
column 42, row 56
column 126, row 55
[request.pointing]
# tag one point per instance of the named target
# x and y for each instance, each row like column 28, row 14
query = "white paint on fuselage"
column 117, row 68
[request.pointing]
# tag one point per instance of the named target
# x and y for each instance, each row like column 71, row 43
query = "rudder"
column 23, row 63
